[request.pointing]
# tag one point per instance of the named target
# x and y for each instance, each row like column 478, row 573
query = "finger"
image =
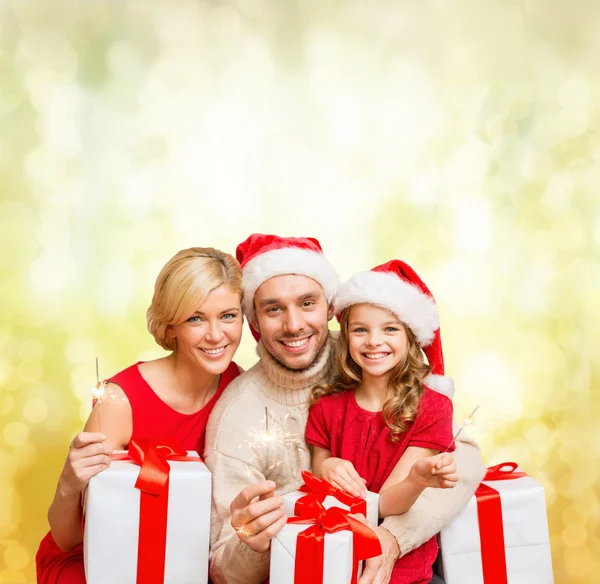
column 84, row 438
column 93, row 461
column 252, row 491
column 453, row 477
column 264, row 521
column 444, row 459
column 94, row 449
column 262, row 541
column 347, row 484
column 254, row 510
column 360, row 517
column 371, row 568
column 356, row 486
column 92, row 471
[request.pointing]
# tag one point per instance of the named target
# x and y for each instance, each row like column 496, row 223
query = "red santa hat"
column 397, row 287
column 265, row 256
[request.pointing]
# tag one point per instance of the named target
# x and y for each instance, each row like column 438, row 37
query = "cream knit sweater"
column 236, row 459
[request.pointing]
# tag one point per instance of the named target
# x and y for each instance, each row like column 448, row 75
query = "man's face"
column 291, row 316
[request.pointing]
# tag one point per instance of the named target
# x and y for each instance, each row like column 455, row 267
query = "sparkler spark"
column 468, row 421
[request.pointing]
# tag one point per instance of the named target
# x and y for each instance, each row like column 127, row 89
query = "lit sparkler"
column 468, row 421
column 100, row 394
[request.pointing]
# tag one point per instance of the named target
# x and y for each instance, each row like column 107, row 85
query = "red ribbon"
column 491, row 528
column 317, row 489
column 153, row 482
column 310, row 545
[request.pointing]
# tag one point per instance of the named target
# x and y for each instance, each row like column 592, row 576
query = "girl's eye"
column 360, row 329
column 391, row 329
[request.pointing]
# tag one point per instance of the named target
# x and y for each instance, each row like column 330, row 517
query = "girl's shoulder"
column 334, row 400
column 433, row 400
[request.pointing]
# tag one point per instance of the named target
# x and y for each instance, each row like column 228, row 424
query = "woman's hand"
column 89, row 454
column 342, row 474
column 438, row 472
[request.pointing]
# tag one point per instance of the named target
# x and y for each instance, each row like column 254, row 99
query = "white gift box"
column 526, row 539
column 337, row 564
column 112, row 518
column 338, row 547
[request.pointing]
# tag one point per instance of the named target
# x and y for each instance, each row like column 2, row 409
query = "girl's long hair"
column 406, row 380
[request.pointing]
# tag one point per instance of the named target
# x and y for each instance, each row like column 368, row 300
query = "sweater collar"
column 293, row 387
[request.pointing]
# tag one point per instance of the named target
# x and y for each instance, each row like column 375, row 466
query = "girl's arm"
column 337, row 471
column 417, row 469
column 109, row 426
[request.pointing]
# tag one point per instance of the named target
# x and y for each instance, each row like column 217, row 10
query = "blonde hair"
column 406, row 380
column 184, row 283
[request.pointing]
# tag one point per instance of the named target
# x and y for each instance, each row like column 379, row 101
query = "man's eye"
column 273, row 309
column 307, row 303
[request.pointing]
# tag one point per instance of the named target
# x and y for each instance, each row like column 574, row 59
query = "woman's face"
column 376, row 339
column 210, row 337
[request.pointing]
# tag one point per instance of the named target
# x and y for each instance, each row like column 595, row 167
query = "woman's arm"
column 108, row 427
column 417, row 469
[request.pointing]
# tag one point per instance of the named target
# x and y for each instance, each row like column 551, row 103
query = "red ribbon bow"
column 317, row 489
column 491, row 528
column 153, row 482
column 310, row 545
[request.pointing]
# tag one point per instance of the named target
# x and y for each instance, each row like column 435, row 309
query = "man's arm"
column 436, row 508
column 239, row 489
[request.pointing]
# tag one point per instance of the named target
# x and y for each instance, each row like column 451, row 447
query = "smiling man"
column 289, row 287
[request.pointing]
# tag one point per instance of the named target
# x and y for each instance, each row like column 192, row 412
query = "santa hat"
column 397, row 287
column 265, row 256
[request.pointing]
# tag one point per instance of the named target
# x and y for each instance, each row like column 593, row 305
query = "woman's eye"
column 194, row 319
column 229, row 316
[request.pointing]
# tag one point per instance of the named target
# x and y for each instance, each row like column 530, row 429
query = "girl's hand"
column 438, row 472
column 88, row 455
column 342, row 474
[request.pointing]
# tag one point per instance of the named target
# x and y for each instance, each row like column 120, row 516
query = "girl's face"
column 376, row 338
column 210, row 337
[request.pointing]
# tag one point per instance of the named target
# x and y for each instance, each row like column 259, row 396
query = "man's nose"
column 294, row 321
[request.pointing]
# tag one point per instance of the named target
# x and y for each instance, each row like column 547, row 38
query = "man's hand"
column 379, row 569
column 257, row 516
column 438, row 472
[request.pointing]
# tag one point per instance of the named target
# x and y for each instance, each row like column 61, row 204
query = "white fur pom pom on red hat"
column 265, row 256
column 397, row 287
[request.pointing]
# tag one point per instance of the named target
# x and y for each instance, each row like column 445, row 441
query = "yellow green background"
column 462, row 137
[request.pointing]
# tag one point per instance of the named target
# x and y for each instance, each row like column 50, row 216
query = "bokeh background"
column 463, row 137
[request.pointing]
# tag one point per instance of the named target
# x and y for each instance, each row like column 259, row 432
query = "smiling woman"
column 196, row 314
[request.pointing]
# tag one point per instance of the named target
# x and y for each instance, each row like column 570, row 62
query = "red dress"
column 153, row 421
column 338, row 424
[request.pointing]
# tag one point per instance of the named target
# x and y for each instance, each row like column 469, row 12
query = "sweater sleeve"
column 436, row 508
column 231, row 560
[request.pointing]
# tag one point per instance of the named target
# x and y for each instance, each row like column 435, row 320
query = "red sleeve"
column 433, row 424
column 317, row 432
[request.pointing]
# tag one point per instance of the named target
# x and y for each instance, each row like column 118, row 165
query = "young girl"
column 381, row 426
